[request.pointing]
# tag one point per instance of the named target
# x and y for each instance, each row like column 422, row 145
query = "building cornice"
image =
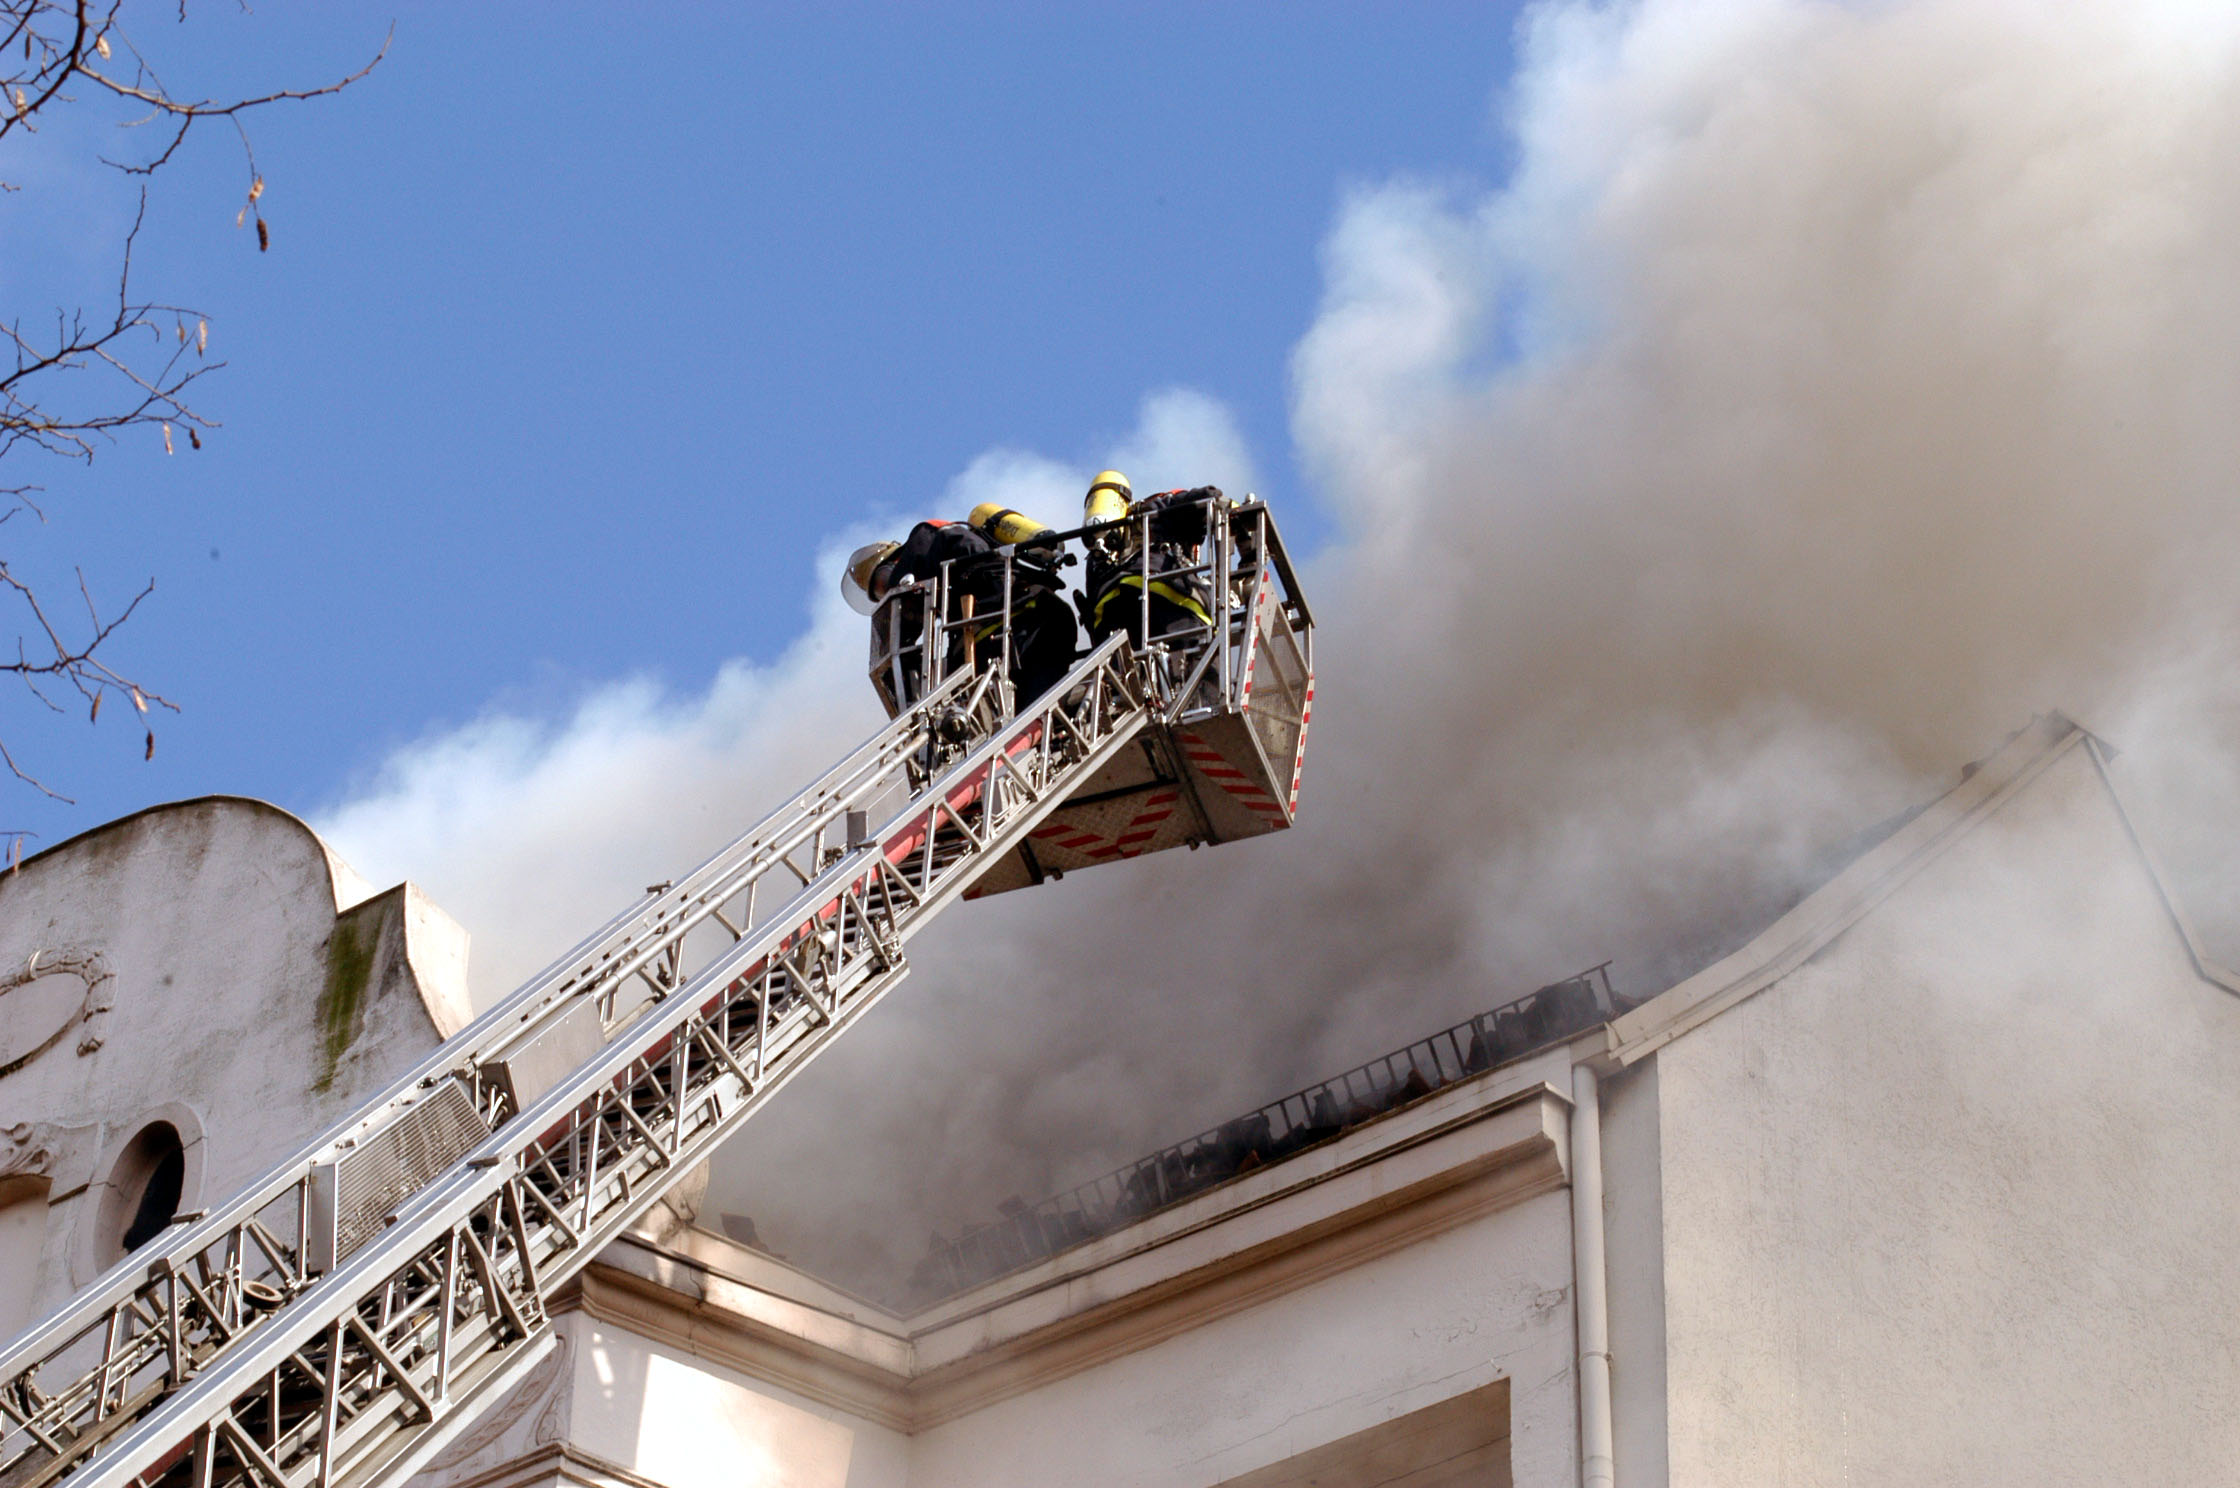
column 1481, row 1146
column 558, row 1462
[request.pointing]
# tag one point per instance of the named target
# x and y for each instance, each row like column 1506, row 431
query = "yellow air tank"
column 1003, row 526
column 1108, row 500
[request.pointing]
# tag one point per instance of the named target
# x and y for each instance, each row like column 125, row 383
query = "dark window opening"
column 159, row 1201
column 145, row 1189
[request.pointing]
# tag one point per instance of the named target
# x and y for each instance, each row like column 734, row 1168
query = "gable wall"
column 1954, row 1201
column 209, row 983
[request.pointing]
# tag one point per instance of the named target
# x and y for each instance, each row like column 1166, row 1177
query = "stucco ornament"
column 39, row 1006
column 27, row 1150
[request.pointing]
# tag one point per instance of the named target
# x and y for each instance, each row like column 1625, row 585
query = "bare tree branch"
column 68, row 388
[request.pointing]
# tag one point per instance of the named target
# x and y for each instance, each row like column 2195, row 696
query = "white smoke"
column 532, row 831
column 1830, row 388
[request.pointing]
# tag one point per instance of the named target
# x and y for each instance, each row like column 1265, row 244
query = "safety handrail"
column 1241, row 548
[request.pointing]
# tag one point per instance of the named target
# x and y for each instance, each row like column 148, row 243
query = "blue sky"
column 582, row 329
column 1743, row 412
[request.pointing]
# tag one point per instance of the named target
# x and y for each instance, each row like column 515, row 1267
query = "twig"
column 67, row 391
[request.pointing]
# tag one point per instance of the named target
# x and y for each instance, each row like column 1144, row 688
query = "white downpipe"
column 1590, row 1281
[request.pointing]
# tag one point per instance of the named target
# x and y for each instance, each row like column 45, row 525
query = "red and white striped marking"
column 1299, row 756
column 1141, row 828
column 1252, row 640
column 1067, row 836
column 1212, row 764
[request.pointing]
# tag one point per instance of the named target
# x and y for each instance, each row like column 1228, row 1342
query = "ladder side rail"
column 227, row 1222
column 871, row 755
column 695, row 903
column 431, row 1218
column 984, row 772
column 873, row 758
column 139, row 1263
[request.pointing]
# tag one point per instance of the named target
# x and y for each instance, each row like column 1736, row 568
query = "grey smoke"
column 1829, row 388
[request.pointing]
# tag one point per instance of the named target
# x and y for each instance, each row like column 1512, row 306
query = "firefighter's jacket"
column 1113, row 593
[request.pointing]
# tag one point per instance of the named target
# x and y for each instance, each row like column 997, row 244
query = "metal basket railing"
column 924, row 630
column 1029, row 1233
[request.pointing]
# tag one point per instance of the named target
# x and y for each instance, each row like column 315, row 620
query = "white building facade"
column 1927, row 1184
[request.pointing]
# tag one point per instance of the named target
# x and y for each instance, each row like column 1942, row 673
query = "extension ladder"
column 339, row 1321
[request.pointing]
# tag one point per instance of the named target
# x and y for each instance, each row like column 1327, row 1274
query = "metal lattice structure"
column 336, row 1323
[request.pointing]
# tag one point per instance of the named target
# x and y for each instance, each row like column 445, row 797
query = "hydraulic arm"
column 338, row 1321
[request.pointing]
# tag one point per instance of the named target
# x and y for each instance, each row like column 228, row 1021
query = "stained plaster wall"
column 1485, row 1300
column 1953, row 1202
column 219, row 970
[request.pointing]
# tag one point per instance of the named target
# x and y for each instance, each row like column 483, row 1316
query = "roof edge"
column 2209, row 968
column 1841, row 902
column 348, row 887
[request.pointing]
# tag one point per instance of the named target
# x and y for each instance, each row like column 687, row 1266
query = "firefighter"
column 1043, row 631
column 1044, row 637
column 1120, row 566
column 874, row 571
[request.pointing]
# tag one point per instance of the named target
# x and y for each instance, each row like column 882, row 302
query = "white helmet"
column 855, row 579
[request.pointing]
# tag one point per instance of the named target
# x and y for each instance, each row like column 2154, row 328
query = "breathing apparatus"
column 1108, row 501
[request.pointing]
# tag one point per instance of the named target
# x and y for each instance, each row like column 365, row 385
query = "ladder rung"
column 456, row 1282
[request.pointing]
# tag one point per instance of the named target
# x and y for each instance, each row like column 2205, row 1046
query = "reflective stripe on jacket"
column 1160, row 589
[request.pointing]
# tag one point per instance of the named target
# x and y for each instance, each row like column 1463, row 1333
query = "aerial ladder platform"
column 337, row 1322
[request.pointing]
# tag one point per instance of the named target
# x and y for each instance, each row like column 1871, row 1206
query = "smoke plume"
column 1828, row 388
